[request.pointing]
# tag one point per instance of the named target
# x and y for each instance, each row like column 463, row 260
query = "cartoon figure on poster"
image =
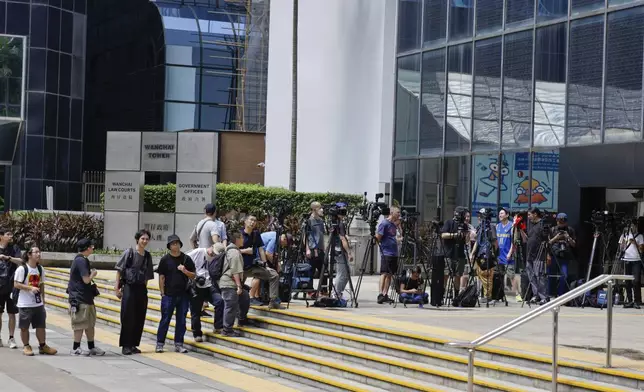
column 540, row 190
column 489, row 183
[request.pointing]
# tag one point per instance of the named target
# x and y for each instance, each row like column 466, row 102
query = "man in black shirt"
column 134, row 270
column 81, row 291
column 562, row 242
column 252, row 247
column 10, row 259
column 176, row 269
column 536, row 256
column 411, row 288
column 454, row 245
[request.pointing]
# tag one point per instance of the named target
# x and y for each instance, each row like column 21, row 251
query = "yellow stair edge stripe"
column 430, row 339
column 240, row 356
column 331, row 364
column 368, row 356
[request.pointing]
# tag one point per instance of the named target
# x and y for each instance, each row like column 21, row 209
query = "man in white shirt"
column 29, row 284
column 209, row 230
column 632, row 245
column 207, row 291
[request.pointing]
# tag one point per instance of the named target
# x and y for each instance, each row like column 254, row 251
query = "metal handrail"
column 553, row 306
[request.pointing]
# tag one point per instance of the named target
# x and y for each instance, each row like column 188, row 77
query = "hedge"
column 247, row 198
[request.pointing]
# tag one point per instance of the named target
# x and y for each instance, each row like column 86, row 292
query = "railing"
column 93, row 187
column 553, row 305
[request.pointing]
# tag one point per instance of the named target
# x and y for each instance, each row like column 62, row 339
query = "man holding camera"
column 455, row 234
column 256, row 268
column 484, row 253
column 386, row 235
column 206, row 290
column 632, row 245
column 536, row 256
column 342, row 254
column 314, row 240
column 562, row 242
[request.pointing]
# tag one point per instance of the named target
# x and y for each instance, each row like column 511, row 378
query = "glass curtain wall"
column 503, row 86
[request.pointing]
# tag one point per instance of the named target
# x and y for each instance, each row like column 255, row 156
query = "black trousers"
column 316, row 263
column 634, row 287
column 134, row 307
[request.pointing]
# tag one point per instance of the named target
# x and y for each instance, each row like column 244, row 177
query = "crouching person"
column 30, row 289
column 236, row 298
column 411, row 291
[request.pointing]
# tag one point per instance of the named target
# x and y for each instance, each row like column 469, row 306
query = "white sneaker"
column 180, row 349
column 96, row 352
column 80, row 352
column 199, row 339
column 12, row 343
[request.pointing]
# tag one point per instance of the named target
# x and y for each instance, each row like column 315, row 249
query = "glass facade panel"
column 18, row 18
column 432, row 114
column 53, row 29
column 461, row 19
column 579, row 6
column 11, row 63
column 407, row 105
column 457, row 183
column 180, row 116
column 519, row 13
column 489, row 16
column 35, row 113
column 182, row 84
column 623, row 91
column 517, row 90
column 551, row 9
column 459, row 98
column 435, row 19
column 487, row 95
column 585, row 80
column 409, row 21
column 550, row 85
column 38, row 34
column 405, row 183
column 430, row 178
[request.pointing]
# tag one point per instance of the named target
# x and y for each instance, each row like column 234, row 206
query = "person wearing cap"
column 209, row 230
column 562, row 243
column 536, row 256
column 176, row 269
column 207, row 291
column 82, row 291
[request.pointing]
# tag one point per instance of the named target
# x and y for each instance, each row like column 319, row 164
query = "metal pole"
column 470, row 370
column 555, row 334
column 609, row 326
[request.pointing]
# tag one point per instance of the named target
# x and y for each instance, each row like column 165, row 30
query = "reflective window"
column 3, row 13
column 585, row 81
column 551, row 9
column 430, row 178
column 51, row 114
column 53, row 29
column 62, row 159
column 11, row 62
column 49, row 159
column 60, row 195
column 33, row 193
column 34, row 161
column 181, row 55
column 80, row 6
column 459, row 98
column 38, row 34
column 221, row 87
column 52, row 71
column 407, row 94
column 63, row 116
column 409, row 13
column 461, row 19
column 68, row 5
column 78, row 78
column 623, row 91
column 432, row 114
column 457, row 183
column 77, row 119
column 180, row 116
column 405, row 182
column 75, row 161
column 66, row 32
column 519, row 13
column 182, row 84
column 65, row 79
column 78, row 36
column 487, row 95
column 550, row 86
column 35, row 113
column 37, row 68
column 579, row 6
column 489, row 16
column 218, row 118
column 517, row 89
column 17, row 18
column 435, row 22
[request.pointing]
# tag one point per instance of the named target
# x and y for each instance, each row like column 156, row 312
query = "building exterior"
column 346, row 52
column 517, row 103
column 42, row 101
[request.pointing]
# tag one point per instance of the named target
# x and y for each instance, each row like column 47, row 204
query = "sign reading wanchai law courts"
column 192, row 156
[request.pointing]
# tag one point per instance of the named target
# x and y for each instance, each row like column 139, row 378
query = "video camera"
column 370, row 211
column 409, row 217
column 459, row 217
column 609, row 221
column 486, row 214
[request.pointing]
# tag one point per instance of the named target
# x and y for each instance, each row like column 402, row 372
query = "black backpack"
column 216, row 267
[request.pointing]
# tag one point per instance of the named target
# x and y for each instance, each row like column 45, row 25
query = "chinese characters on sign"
column 156, row 230
column 194, row 191
column 160, row 226
column 122, row 191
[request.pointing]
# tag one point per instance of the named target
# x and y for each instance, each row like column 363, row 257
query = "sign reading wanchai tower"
column 129, row 155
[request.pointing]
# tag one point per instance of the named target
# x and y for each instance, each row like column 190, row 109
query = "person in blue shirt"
column 506, row 251
column 386, row 235
column 270, row 246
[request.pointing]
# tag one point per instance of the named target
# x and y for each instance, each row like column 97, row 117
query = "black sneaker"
column 380, row 298
column 231, row 334
column 205, row 314
column 247, row 323
column 135, row 350
column 126, row 351
column 388, row 300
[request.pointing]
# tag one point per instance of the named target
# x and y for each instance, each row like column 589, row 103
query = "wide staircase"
column 335, row 354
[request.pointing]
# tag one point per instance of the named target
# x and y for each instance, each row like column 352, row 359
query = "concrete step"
column 418, row 357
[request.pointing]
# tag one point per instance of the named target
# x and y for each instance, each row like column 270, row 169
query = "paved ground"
column 148, row 372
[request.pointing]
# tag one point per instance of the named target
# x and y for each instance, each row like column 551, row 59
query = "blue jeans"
column 553, row 269
column 169, row 304
column 416, row 298
column 213, row 296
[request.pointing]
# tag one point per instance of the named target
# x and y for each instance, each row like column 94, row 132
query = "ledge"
column 99, row 261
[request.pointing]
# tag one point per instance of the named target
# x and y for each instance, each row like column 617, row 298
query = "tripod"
column 368, row 257
column 409, row 242
column 448, row 296
column 605, row 241
column 329, row 268
column 627, row 267
column 544, row 249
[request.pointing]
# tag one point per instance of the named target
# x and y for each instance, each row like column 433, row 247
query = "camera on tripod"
column 460, row 214
column 548, row 221
column 279, row 208
column 606, row 221
column 486, row 214
column 371, row 211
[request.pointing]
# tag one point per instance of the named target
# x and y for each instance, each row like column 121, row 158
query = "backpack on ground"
column 216, row 267
column 467, row 298
column 15, row 293
column 302, row 277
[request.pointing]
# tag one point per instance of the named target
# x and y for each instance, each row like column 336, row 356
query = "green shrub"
column 246, row 198
column 52, row 232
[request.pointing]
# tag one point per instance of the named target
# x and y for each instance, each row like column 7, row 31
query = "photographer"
column 386, row 235
column 455, row 235
column 314, row 240
column 411, row 288
column 632, row 245
column 206, row 290
column 484, row 252
column 342, row 254
column 256, row 268
column 536, row 256
column 562, row 242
